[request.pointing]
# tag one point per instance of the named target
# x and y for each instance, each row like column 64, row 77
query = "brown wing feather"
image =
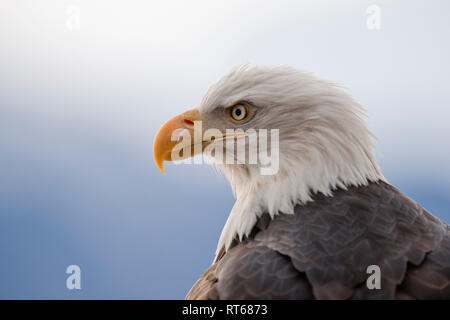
column 205, row 287
column 324, row 249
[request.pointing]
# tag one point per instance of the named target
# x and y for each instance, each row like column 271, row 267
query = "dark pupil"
column 238, row 112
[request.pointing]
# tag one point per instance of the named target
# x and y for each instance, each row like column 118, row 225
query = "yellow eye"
column 239, row 112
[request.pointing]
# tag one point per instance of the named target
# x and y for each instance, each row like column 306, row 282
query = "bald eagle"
column 312, row 229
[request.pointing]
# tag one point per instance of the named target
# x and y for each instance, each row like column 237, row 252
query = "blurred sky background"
column 79, row 108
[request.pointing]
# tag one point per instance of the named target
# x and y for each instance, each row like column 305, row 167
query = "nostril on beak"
column 189, row 122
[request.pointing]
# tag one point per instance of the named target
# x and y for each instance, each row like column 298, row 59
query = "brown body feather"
column 323, row 251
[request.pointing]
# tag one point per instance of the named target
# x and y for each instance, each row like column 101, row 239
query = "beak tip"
column 160, row 166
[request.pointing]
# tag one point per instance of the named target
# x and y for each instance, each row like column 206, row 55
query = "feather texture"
column 322, row 251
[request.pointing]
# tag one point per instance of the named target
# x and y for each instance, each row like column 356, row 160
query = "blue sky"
column 79, row 110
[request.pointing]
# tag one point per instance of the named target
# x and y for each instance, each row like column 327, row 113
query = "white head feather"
column 324, row 142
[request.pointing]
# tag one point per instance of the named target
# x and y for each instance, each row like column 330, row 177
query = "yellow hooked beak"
column 164, row 144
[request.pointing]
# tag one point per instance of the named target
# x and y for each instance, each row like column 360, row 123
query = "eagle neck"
column 293, row 185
